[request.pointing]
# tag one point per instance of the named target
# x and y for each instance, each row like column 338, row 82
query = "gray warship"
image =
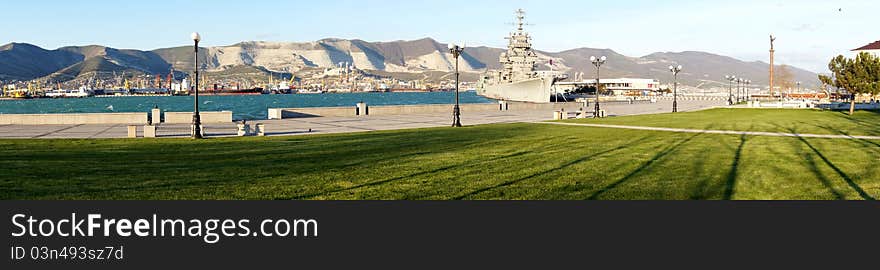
column 518, row 79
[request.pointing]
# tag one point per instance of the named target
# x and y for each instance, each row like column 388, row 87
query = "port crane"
column 170, row 79
column 271, row 83
column 158, row 81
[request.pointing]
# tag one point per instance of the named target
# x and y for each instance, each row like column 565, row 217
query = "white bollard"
column 156, row 114
column 502, row 105
column 275, row 114
column 362, row 109
column 149, row 131
column 132, row 131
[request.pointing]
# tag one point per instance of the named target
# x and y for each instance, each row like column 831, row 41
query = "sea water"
column 254, row 107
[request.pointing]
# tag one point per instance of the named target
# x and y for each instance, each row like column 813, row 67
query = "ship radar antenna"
column 520, row 17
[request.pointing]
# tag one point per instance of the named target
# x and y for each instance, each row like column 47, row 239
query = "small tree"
column 857, row 76
column 826, row 81
column 784, row 79
column 868, row 73
column 843, row 76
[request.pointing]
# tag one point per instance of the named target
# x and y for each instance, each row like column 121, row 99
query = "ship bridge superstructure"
column 519, row 61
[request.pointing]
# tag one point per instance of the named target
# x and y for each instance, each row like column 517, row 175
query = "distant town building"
column 183, row 86
column 628, row 86
column 618, row 87
column 873, row 48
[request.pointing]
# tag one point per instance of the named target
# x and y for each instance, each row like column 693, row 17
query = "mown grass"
column 770, row 120
column 504, row 161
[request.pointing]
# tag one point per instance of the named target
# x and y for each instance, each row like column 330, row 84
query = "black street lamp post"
column 598, row 62
column 730, row 78
column 456, row 51
column 748, row 96
column 675, row 70
column 197, row 122
column 739, row 86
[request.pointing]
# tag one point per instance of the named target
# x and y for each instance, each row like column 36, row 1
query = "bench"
column 563, row 115
column 244, row 129
column 152, row 131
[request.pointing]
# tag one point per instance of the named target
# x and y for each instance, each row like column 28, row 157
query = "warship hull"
column 537, row 90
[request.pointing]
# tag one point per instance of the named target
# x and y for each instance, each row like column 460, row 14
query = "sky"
column 809, row 32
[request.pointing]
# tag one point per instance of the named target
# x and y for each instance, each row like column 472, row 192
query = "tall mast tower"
column 772, row 52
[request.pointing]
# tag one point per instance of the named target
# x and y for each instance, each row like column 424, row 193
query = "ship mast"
column 520, row 17
column 518, row 63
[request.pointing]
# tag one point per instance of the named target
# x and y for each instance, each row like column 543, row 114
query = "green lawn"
column 504, row 161
column 771, row 120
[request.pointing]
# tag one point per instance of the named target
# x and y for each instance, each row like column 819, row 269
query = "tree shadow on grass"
column 849, row 181
column 699, row 166
column 644, row 166
column 874, row 128
column 703, row 190
column 867, row 143
column 730, row 184
column 566, row 165
column 381, row 182
column 139, row 188
column 814, row 168
column 381, row 148
column 872, row 145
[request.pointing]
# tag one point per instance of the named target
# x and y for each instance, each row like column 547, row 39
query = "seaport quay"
column 359, row 117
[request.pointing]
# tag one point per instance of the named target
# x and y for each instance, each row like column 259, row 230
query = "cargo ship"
column 14, row 93
column 63, row 93
column 221, row 91
column 19, row 94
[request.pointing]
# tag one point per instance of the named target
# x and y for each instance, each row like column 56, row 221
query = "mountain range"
column 22, row 61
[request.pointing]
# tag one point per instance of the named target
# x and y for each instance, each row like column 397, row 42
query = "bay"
column 243, row 107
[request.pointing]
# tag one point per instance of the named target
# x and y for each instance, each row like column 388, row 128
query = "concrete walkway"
column 724, row 132
column 331, row 125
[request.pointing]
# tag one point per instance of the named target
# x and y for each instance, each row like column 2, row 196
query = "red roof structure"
column 872, row 46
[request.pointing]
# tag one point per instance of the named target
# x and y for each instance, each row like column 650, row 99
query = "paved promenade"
column 326, row 125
